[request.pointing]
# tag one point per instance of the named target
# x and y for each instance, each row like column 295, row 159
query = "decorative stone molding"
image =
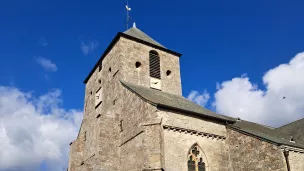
column 292, row 149
column 193, row 132
column 156, row 169
column 152, row 122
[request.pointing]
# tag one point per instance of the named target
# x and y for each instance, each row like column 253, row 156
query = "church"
column 136, row 119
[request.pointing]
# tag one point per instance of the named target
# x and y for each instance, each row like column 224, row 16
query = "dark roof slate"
column 264, row 132
column 294, row 129
column 135, row 32
column 172, row 101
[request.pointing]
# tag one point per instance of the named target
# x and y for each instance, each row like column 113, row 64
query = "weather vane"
column 128, row 16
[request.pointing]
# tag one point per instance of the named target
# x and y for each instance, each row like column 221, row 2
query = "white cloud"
column 88, row 47
column 47, row 64
column 43, row 42
column 281, row 102
column 35, row 130
column 198, row 98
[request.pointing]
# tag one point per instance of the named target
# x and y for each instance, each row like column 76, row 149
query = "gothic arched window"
column 195, row 159
column 154, row 64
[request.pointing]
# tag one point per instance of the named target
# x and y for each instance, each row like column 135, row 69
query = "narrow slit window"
column 121, row 125
column 100, row 66
column 114, row 101
column 98, row 115
column 98, row 97
column 154, row 64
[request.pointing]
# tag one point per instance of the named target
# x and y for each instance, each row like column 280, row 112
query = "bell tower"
column 111, row 117
column 146, row 62
column 143, row 61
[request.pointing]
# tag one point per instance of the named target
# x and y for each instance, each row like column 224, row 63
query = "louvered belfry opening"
column 154, row 64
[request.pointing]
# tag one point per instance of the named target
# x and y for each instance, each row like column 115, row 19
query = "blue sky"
column 49, row 47
column 218, row 39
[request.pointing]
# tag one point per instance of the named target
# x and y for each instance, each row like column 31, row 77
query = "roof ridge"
column 291, row 123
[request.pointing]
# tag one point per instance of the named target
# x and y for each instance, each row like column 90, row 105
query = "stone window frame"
column 197, row 158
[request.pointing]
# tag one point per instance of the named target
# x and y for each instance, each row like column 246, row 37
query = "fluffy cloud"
column 88, row 47
column 35, row 132
column 281, row 102
column 47, row 64
column 198, row 98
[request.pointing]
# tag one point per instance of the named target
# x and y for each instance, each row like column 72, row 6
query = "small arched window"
column 195, row 159
column 154, row 64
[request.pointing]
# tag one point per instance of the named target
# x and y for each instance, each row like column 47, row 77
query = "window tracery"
column 195, row 159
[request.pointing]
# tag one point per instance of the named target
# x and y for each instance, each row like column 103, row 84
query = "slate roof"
column 294, row 129
column 135, row 32
column 173, row 102
column 264, row 132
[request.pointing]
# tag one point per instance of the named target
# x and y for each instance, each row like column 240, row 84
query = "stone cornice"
column 293, row 149
column 193, row 132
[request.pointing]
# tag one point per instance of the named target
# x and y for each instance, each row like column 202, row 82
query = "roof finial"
column 128, row 16
column 134, row 25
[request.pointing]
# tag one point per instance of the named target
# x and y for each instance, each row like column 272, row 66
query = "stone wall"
column 100, row 124
column 182, row 132
column 76, row 153
column 137, row 52
column 103, row 141
column 296, row 161
column 249, row 153
column 140, row 134
column 223, row 148
column 189, row 121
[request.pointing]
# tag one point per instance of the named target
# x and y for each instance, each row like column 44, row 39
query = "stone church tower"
column 135, row 119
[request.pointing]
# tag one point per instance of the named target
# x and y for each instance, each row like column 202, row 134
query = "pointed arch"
column 196, row 159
